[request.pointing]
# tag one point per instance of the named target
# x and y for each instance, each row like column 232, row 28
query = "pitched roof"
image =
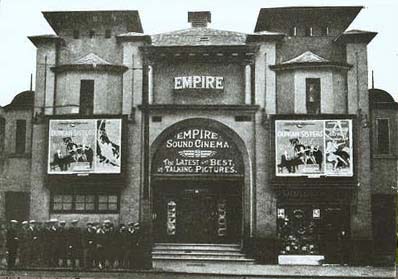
column 91, row 59
column 306, row 57
column 309, row 59
column 356, row 35
column 199, row 36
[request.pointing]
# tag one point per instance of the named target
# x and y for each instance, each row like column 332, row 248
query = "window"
column 20, row 137
column 383, row 136
column 308, row 32
column 91, row 34
column 76, row 34
column 62, row 203
column 85, row 202
column 108, row 33
column 107, row 202
column 86, row 97
column 313, row 95
column 293, row 31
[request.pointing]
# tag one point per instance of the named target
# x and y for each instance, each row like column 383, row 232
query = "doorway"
column 198, row 211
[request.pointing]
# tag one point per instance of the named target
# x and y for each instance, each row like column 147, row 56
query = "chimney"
column 199, row 19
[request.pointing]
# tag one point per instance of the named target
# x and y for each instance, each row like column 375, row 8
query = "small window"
column 308, row 32
column 293, row 31
column 91, row 34
column 76, row 34
column 85, row 202
column 108, row 33
column 62, row 202
column 87, row 97
column 20, row 137
column 107, row 203
column 313, row 95
column 383, row 136
column 325, row 31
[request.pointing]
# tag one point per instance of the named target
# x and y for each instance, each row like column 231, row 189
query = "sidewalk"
column 216, row 271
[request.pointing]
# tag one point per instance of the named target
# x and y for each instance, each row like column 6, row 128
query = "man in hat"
column 50, row 241
column 75, row 248
column 12, row 243
column 89, row 235
column 121, row 241
column 61, row 244
column 34, row 250
column 24, row 244
column 100, row 246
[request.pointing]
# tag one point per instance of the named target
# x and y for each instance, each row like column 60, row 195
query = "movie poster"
column 84, row 146
column 338, row 148
column 313, row 148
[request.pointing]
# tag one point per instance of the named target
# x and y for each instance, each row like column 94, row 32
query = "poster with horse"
column 313, row 147
column 84, row 146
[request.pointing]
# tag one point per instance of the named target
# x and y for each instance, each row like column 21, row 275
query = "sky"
column 22, row 18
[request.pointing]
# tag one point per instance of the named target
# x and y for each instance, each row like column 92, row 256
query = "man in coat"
column 12, row 243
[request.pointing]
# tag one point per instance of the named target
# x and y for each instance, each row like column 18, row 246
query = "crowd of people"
column 56, row 244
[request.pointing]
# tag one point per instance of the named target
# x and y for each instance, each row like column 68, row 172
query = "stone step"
column 195, row 259
column 196, row 252
column 225, row 256
column 196, row 247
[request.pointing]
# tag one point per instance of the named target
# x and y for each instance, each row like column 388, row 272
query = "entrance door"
column 198, row 216
column 210, row 212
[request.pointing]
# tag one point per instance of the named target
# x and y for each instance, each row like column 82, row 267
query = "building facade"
column 211, row 136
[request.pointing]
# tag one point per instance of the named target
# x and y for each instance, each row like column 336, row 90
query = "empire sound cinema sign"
column 197, row 151
column 199, row 82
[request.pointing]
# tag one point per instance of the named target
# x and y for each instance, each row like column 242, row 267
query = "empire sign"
column 199, row 82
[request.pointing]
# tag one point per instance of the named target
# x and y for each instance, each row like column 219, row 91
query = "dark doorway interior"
column 198, row 211
column 17, row 206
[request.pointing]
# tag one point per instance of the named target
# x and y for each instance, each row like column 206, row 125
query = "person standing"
column 61, row 244
column 24, row 244
column 88, row 243
column 12, row 243
column 34, row 249
column 3, row 245
column 74, row 244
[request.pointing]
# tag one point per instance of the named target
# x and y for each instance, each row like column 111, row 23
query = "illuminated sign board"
column 197, row 151
column 314, row 148
column 89, row 146
column 199, row 82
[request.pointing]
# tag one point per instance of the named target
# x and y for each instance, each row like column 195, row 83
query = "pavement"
column 218, row 271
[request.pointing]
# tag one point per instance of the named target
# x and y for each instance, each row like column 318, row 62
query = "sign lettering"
column 197, row 151
column 199, row 82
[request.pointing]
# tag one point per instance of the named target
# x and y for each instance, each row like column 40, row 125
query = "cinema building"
column 258, row 143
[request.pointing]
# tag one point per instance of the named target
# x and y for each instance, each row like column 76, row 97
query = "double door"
column 205, row 213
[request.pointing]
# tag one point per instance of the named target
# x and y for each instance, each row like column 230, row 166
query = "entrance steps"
column 179, row 254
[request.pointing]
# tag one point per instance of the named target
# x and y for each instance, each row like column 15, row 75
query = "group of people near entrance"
column 56, row 244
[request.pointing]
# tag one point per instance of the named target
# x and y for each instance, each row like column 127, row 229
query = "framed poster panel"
column 90, row 146
column 314, row 148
